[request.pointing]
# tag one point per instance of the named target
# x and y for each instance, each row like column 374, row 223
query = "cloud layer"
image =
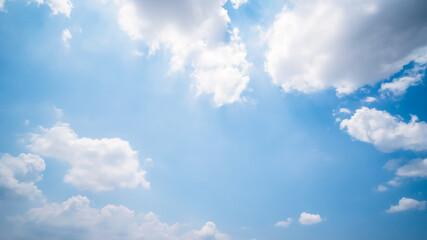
column 316, row 44
column 386, row 132
column 96, row 164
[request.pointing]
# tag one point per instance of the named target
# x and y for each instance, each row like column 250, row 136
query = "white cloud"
column 369, row 99
column 193, row 31
column 345, row 110
column 96, row 164
column 399, row 85
column 308, row 219
column 386, row 132
column 19, row 174
column 316, row 44
column 66, row 36
column 415, row 168
column 238, row 3
column 382, row 188
column 110, row 222
column 2, row 5
column 284, row 223
column 407, row 204
column 58, row 6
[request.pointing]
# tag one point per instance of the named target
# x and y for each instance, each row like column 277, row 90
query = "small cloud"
column 308, row 219
column 392, row 164
column 137, row 53
column 345, row 110
column 407, row 204
column 26, row 122
column 284, row 223
column 59, row 113
column 238, row 3
column 382, row 188
column 369, row 99
column 66, row 36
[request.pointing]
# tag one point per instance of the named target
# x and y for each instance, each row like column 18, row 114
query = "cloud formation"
column 399, row 85
column 66, row 36
column 386, row 132
column 316, row 44
column 194, row 32
column 76, row 219
column 58, row 6
column 286, row 223
column 308, row 219
column 414, row 168
column 19, row 174
column 96, row 164
column 407, row 204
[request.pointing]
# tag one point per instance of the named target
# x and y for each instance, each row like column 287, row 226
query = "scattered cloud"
column 414, row 168
column 238, row 3
column 315, row 45
column 382, row 188
column 308, row 219
column 369, row 99
column 286, row 223
column 407, row 204
column 194, row 32
column 66, row 36
column 19, row 174
column 345, row 110
column 399, row 85
column 75, row 218
column 96, row 164
column 386, row 132
column 58, row 6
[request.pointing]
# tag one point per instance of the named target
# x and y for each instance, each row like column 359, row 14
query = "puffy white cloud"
column 399, row 85
column 194, row 32
column 58, row 6
column 414, row 168
column 110, row 222
column 66, row 36
column 345, row 110
column 407, row 204
column 284, row 223
column 369, row 99
column 386, row 132
column 319, row 44
column 308, row 219
column 19, row 174
column 96, row 164
column 238, row 3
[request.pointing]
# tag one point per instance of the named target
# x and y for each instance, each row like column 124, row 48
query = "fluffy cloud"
column 66, row 36
column 284, row 223
column 386, row 132
column 58, row 6
column 96, row 164
column 193, row 31
column 399, row 85
column 19, row 174
column 308, row 219
column 238, row 3
column 2, row 4
column 407, row 204
column 110, row 222
column 318, row 44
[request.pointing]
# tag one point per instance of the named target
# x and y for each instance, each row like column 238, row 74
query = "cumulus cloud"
column 316, row 44
column 407, row 204
column 194, row 32
column 399, row 85
column 308, row 219
column 19, row 174
column 109, row 222
column 66, row 36
column 96, row 164
column 284, row 223
column 238, row 3
column 386, row 132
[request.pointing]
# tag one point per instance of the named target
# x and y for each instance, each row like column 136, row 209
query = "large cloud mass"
column 386, row 132
column 318, row 44
column 96, row 164
column 194, row 31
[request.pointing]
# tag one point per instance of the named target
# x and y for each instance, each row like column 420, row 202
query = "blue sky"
column 213, row 119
